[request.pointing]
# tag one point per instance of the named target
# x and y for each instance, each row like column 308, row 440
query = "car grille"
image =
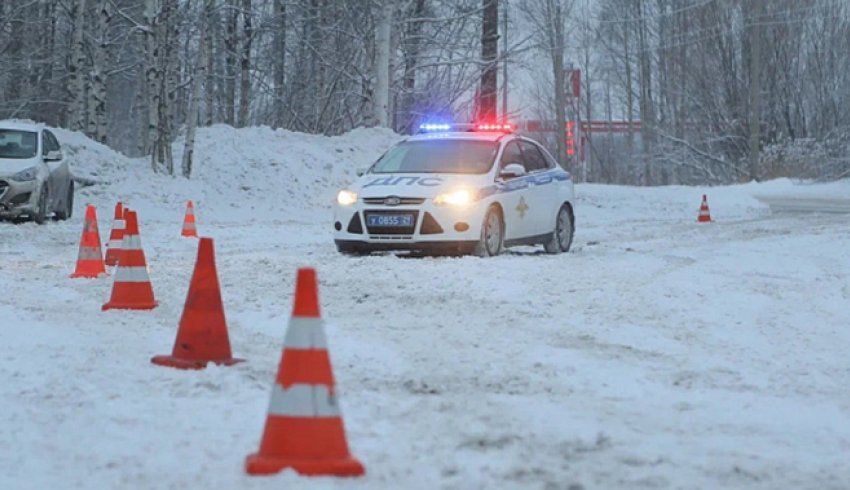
column 390, row 230
column 402, row 201
column 3, row 186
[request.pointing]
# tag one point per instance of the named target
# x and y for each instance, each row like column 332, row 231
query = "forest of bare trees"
column 724, row 90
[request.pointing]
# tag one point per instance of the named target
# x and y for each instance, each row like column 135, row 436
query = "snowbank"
column 276, row 174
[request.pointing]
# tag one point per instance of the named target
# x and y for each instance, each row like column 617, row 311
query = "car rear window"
column 18, row 144
column 438, row 157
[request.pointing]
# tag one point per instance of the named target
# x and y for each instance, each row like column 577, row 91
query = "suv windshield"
column 18, row 144
column 438, row 157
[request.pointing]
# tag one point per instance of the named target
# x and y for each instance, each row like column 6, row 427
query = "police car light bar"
column 484, row 127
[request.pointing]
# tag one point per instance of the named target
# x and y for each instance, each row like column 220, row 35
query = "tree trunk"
column 755, row 88
column 279, row 57
column 381, row 95
column 230, row 43
column 151, row 78
column 488, row 93
column 209, row 41
column 76, row 68
column 411, row 60
column 245, row 64
column 194, row 107
column 97, row 94
column 556, row 49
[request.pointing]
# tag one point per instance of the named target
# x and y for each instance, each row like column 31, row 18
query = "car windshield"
column 438, row 157
column 18, row 144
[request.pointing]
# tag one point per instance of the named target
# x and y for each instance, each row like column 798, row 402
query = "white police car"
column 458, row 189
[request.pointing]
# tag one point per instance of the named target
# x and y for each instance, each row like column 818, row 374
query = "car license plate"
column 390, row 220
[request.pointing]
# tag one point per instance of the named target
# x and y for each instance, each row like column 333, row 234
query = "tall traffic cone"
column 116, row 236
column 132, row 289
column 704, row 214
column 189, row 228
column 304, row 429
column 90, row 258
column 202, row 335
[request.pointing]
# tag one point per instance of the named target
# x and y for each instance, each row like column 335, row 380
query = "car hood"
column 414, row 185
column 11, row 166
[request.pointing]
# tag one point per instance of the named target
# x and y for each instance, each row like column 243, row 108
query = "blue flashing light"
column 435, row 127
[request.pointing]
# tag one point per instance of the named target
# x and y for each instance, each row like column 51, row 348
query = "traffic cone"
column 704, row 214
column 189, row 228
column 202, row 335
column 90, row 258
column 132, row 289
column 116, row 236
column 304, row 429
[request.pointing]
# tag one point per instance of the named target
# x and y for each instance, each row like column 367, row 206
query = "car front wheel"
column 68, row 210
column 41, row 212
column 492, row 239
column 562, row 236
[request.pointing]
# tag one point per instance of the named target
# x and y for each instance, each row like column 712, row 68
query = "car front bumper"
column 435, row 228
column 18, row 198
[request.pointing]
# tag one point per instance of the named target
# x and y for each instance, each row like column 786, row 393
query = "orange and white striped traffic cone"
column 704, row 213
column 304, row 429
column 202, row 336
column 116, row 236
column 132, row 289
column 189, row 227
column 90, row 258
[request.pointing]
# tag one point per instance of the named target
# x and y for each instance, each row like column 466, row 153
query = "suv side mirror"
column 512, row 171
column 54, row 156
column 361, row 171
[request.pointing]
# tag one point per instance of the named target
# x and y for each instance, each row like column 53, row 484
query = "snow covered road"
column 658, row 354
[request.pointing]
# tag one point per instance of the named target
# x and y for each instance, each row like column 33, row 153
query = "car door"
column 541, row 193
column 59, row 175
column 513, row 195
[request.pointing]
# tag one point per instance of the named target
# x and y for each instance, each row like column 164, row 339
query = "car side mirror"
column 512, row 171
column 53, row 156
column 362, row 171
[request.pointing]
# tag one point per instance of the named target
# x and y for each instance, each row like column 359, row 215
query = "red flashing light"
column 500, row 128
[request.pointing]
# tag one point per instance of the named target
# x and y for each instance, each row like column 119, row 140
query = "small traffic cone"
column 116, row 236
column 202, row 335
column 189, row 228
column 132, row 289
column 90, row 258
column 304, row 429
column 704, row 214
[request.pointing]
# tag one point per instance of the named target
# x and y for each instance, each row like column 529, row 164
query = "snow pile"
column 274, row 174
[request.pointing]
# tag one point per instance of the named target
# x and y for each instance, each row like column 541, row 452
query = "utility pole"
column 504, row 60
column 755, row 86
column 488, row 93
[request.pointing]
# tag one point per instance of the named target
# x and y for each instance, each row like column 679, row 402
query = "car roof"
column 460, row 135
column 21, row 125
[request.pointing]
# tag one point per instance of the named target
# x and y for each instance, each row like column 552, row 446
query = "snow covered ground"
column 658, row 354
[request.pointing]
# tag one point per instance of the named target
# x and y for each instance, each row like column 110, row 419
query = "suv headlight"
column 27, row 175
column 346, row 197
column 460, row 198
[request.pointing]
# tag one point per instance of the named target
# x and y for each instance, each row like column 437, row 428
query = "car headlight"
column 462, row 197
column 27, row 175
column 346, row 197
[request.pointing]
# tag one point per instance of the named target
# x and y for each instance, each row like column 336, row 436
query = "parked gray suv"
column 35, row 179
